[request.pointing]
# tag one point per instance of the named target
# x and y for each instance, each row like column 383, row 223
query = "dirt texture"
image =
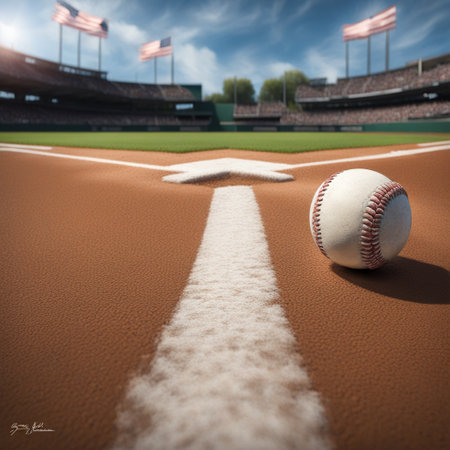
column 95, row 258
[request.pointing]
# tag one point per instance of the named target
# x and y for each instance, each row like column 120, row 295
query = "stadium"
column 166, row 280
column 40, row 95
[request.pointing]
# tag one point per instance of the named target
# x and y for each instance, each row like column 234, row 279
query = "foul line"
column 226, row 373
column 38, row 147
column 394, row 154
column 83, row 158
column 426, row 144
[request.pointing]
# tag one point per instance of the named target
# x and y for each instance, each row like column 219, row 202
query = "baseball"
column 360, row 219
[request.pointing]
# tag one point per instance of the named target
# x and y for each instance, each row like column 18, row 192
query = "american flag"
column 383, row 21
column 66, row 14
column 154, row 49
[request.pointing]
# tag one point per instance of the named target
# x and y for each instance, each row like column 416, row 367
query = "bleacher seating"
column 384, row 114
column 28, row 70
column 260, row 110
column 175, row 92
column 406, row 78
column 245, row 111
column 19, row 113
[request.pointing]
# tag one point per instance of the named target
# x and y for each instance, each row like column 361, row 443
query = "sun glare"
column 8, row 35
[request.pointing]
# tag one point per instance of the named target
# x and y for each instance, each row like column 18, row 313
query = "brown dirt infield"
column 95, row 258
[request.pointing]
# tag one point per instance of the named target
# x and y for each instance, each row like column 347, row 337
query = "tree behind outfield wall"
column 245, row 92
column 216, row 98
column 272, row 88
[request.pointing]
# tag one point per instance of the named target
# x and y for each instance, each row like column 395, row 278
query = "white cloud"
column 371, row 8
column 103, row 8
column 417, row 33
column 194, row 64
column 276, row 69
column 275, row 11
column 302, row 9
column 217, row 16
column 183, row 35
column 213, row 12
column 320, row 64
column 128, row 33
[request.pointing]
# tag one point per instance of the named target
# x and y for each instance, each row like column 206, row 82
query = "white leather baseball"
column 360, row 219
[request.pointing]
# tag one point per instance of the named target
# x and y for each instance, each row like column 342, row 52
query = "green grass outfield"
column 285, row 142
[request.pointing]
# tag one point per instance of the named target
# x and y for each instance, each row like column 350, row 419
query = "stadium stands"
column 374, row 114
column 263, row 109
column 403, row 79
column 17, row 113
column 37, row 92
column 399, row 95
column 22, row 71
column 351, row 116
column 66, row 95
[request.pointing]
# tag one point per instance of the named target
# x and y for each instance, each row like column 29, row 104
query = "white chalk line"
column 393, row 154
column 426, row 144
column 37, row 147
column 82, row 158
column 226, row 374
column 200, row 170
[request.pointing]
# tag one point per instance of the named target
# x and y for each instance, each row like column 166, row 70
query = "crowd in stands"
column 26, row 70
column 175, row 92
column 17, row 69
column 407, row 78
column 263, row 109
column 16, row 113
column 135, row 90
column 354, row 116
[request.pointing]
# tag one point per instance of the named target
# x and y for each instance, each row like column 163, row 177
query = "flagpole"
column 60, row 43
column 346, row 59
column 368, row 55
column 235, row 91
column 79, row 44
column 284, row 89
column 172, row 65
column 156, row 80
column 387, row 50
column 99, row 54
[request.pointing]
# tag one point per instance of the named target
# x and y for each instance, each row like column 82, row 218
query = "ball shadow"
column 402, row 278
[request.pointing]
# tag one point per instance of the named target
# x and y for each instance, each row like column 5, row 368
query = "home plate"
column 225, row 167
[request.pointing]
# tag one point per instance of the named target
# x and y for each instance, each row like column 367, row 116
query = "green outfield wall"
column 220, row 117
column 195, row 89
column 406, row 127
column 410, row 127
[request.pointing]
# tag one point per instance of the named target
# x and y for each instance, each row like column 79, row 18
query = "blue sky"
column 216, row 39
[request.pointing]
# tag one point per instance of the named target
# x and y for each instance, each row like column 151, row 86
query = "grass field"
column 285, row 142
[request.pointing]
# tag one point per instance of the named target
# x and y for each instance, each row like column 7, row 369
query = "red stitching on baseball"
column 317, row 234
column 372, row 217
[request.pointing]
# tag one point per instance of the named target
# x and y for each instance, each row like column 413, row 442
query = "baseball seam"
column 371, row 223
column 317, row 233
